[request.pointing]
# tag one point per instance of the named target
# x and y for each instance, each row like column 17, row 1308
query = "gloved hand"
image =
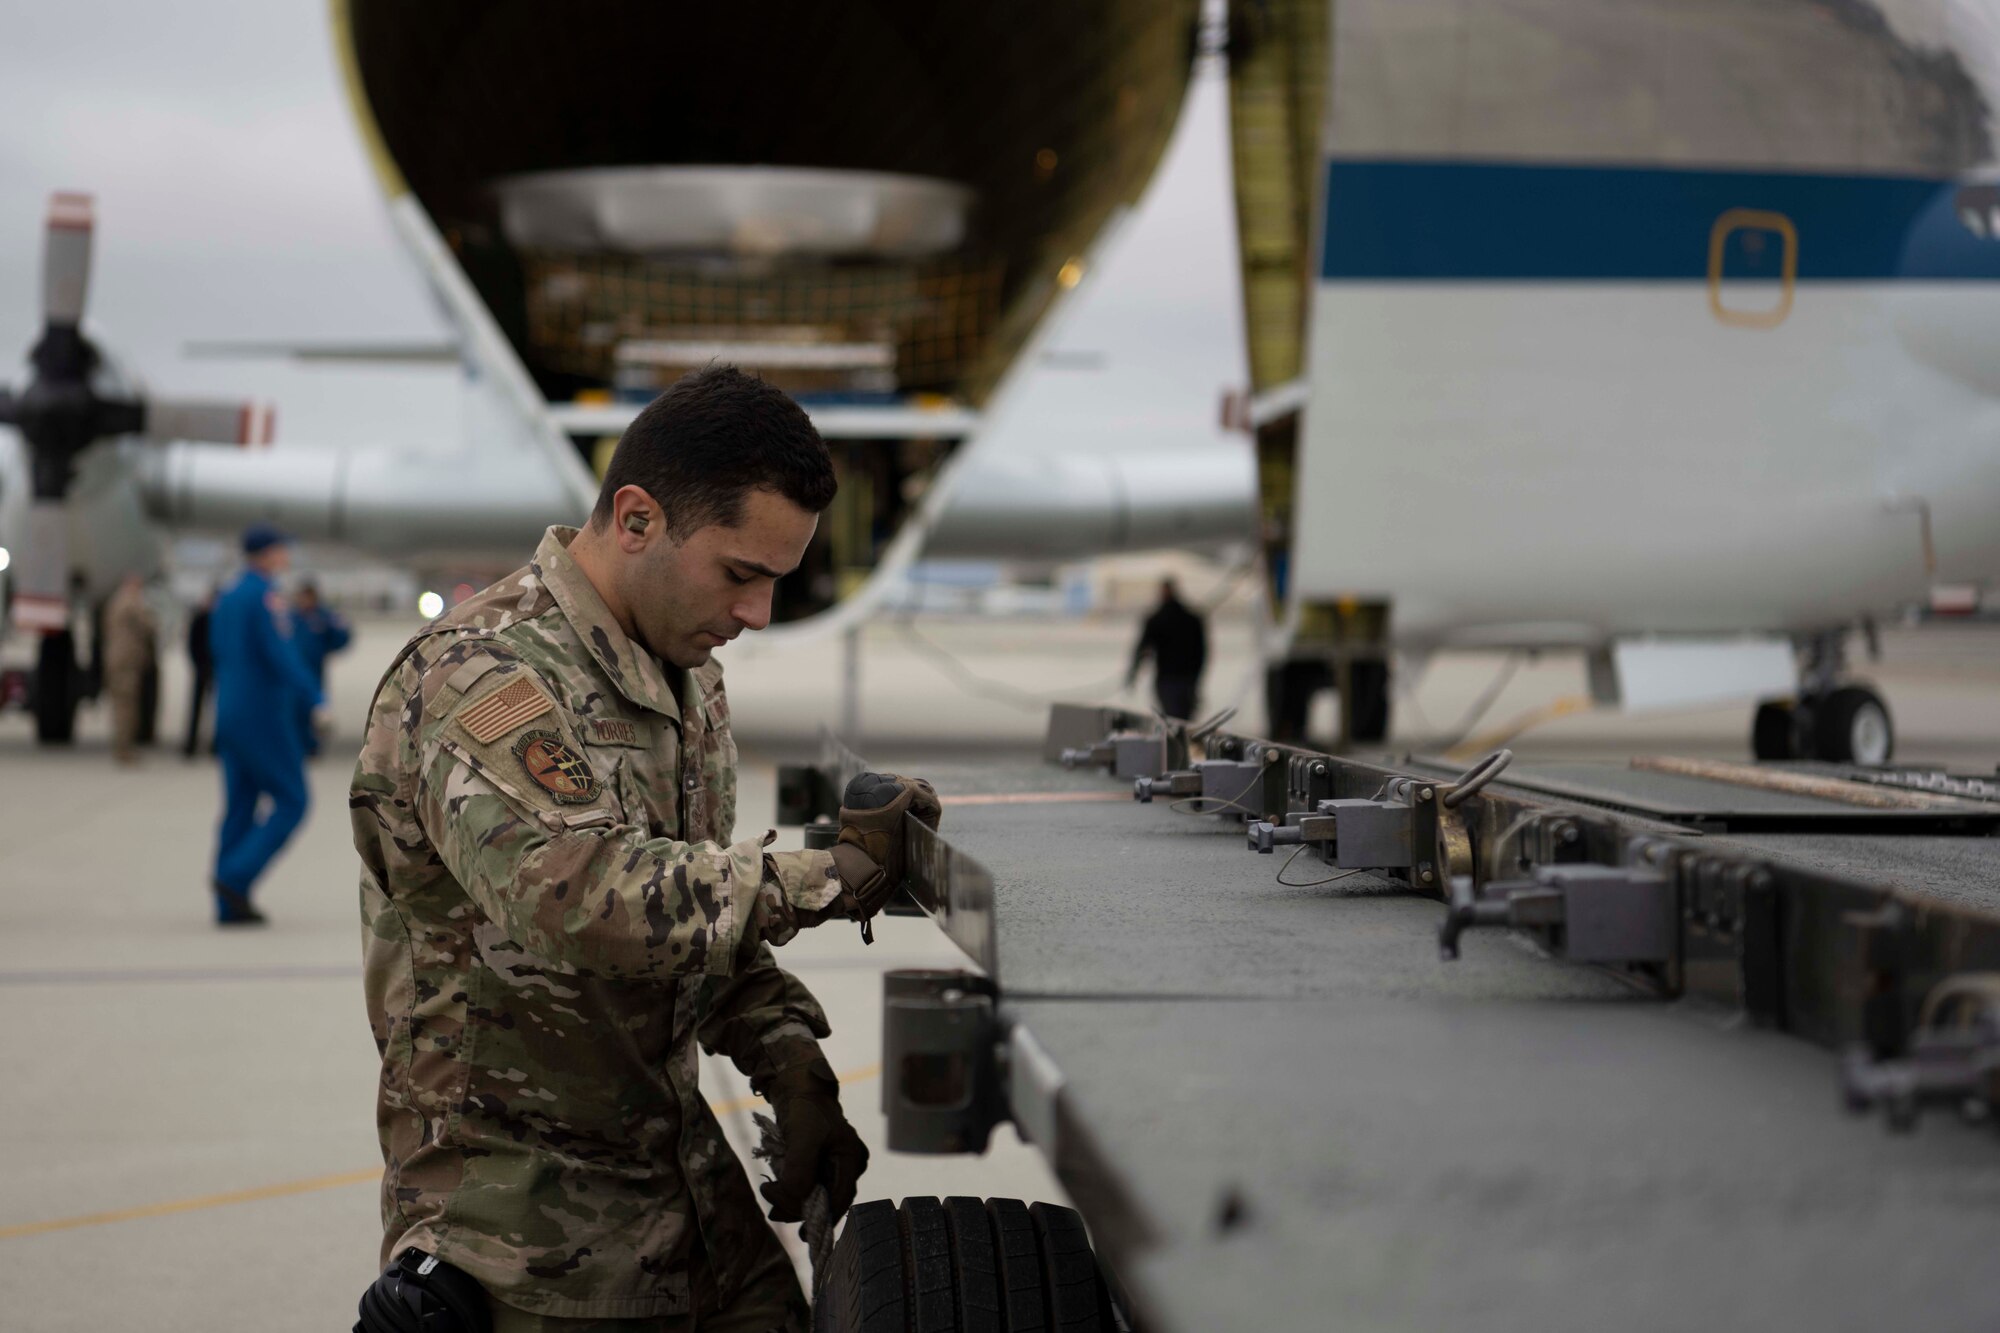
column 819, row 1146
column 869, row 854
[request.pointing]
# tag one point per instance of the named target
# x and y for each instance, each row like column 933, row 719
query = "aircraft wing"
column 382, row 352
column 833, row 423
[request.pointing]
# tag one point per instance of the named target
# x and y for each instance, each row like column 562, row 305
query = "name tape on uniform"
column 613, row 731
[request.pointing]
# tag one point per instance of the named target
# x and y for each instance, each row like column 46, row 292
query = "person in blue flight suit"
column 265, row 702
column 318, row 632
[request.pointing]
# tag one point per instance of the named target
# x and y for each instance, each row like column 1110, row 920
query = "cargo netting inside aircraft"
column 508, row 117
column 826, row 330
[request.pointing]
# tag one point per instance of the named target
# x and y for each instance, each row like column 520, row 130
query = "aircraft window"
column 1753, row 265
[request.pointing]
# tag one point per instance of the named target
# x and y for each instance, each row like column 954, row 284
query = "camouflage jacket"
column 554, row 917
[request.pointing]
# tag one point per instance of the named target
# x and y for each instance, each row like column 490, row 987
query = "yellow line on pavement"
column 193, row 1205
column 306, row 1186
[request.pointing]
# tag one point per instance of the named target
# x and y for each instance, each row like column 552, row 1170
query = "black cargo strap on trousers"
column 421, row 1293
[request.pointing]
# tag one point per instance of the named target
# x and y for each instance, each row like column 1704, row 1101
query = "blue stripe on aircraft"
column 1471, row 221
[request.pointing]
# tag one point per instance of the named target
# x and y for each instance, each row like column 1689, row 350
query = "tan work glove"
column 869, row 855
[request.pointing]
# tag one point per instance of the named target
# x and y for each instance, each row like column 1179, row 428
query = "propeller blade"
column 66, row 258
column 215, row 422
column 41, row 569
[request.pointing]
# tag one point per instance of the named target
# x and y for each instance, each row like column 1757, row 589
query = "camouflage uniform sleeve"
column 763, row 1018
column 513, row 809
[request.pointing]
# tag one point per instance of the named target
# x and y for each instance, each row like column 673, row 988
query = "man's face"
column 689, row 599
column 272, row 560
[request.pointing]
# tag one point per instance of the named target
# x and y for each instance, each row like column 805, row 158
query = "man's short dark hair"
column 716, row 435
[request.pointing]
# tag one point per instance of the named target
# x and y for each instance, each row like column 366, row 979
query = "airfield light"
column 5, row 559
column 430, row 606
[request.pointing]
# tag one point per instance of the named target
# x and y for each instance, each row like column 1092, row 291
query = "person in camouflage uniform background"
column 555, row 916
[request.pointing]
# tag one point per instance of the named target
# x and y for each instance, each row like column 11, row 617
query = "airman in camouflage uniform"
column 555, row 918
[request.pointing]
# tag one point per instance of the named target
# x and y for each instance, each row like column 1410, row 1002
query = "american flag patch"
column 504, row 710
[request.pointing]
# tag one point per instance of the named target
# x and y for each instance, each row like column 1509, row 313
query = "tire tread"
column 975, row 1274
column 962, row 1265
column 1069, row 1269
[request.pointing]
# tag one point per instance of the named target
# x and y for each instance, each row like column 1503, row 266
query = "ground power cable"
column 963, row 676
column 997, row 691
column 1484, row 703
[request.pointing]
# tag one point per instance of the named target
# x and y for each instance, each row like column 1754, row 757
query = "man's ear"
column 635, row 519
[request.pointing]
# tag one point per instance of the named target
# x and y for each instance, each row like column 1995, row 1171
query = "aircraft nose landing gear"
column 1849, row 725
column 1841, row 724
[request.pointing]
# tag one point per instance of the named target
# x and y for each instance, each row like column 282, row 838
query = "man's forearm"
column 764, row 1019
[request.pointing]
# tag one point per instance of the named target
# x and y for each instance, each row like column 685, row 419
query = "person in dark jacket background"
column 202, row 681
column 1177, row 641
column 318, row 632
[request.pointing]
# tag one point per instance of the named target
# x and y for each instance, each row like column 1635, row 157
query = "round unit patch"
column 556, row 768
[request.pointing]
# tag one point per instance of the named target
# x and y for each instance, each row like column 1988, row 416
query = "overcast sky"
column 233, row 202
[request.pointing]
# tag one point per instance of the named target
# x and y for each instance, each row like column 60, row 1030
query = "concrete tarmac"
column 186, row 1132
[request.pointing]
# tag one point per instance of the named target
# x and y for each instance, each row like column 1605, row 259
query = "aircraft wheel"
column 1366, row 714
column 962, row 1264
column 56, row 689
column 1851, row 726
column 1289, row 688
column 1775, row 732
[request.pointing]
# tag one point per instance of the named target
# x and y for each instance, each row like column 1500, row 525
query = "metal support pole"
column 850, row 684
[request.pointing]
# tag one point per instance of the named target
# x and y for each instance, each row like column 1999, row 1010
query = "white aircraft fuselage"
column 1652, row 316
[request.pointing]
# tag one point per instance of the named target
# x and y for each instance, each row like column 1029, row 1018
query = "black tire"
column 56, row 686
column 1775, row 732
column 1851, row 726
column 1289, row 689
column 963, row 1265
column 1079, row 1302
column 1365, row 710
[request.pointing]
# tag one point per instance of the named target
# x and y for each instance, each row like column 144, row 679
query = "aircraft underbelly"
column 1608, row 456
